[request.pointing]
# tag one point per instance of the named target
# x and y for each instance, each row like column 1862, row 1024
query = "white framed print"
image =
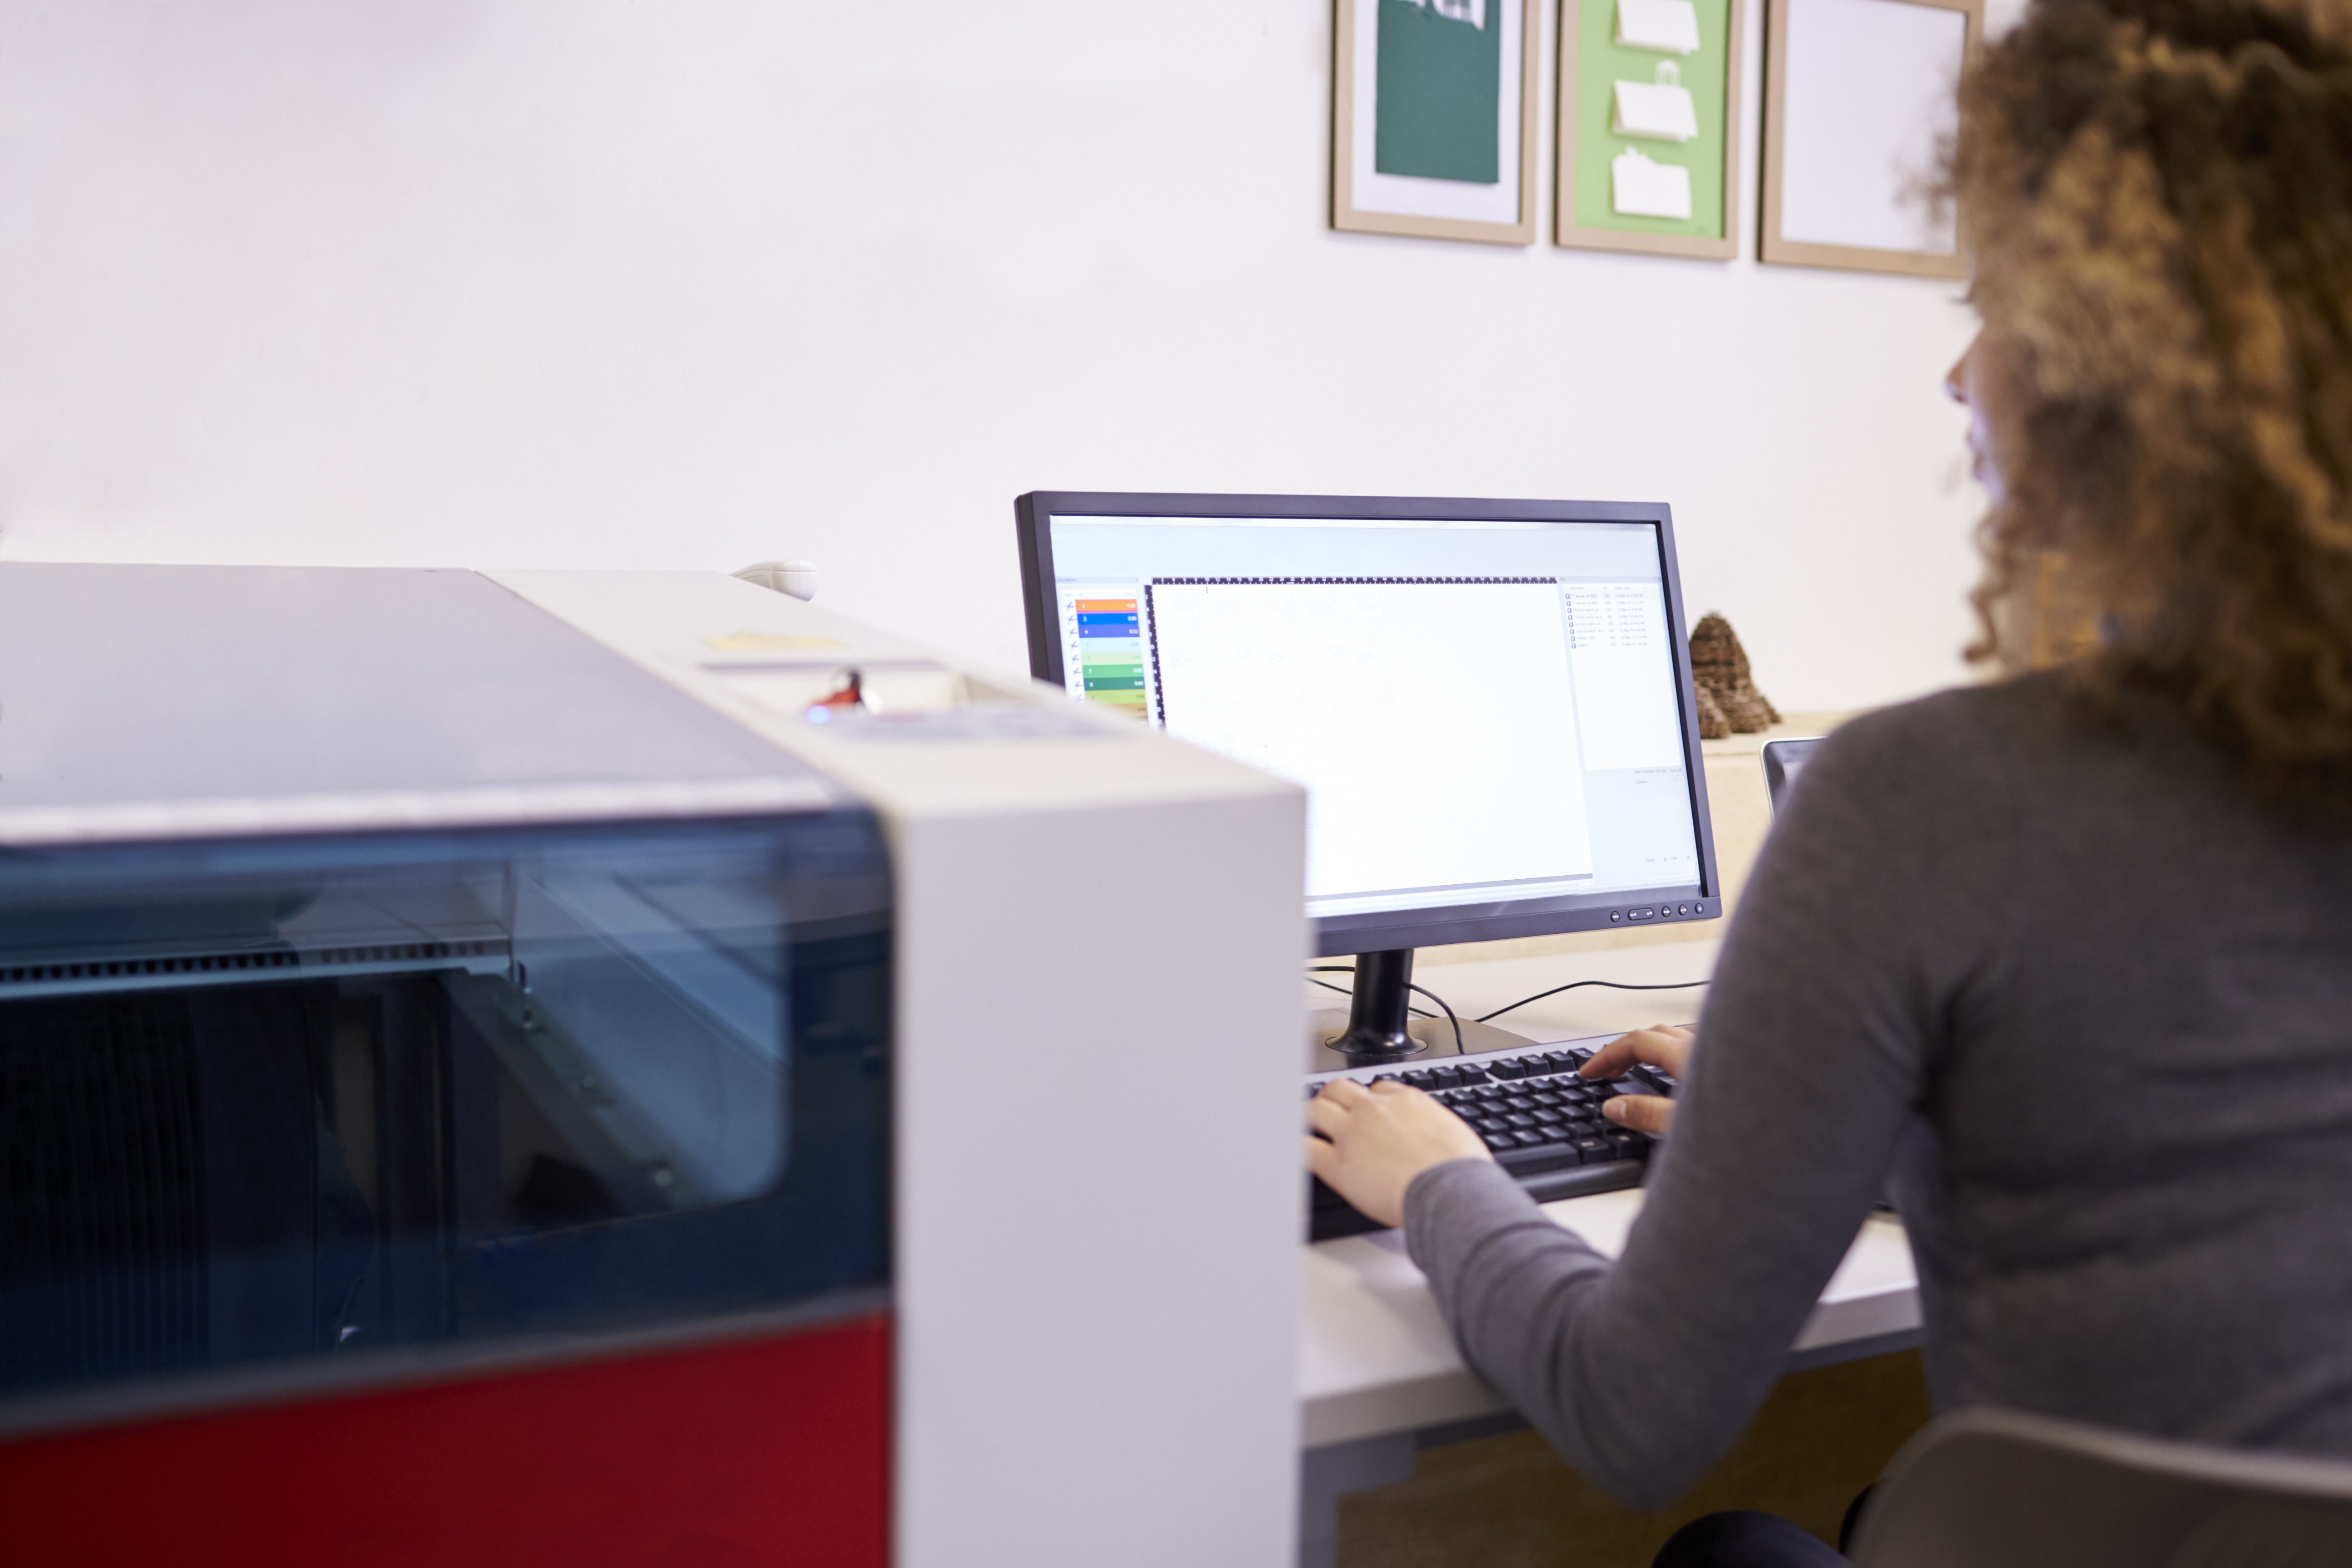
column 1859, row 96
column 1433, row 119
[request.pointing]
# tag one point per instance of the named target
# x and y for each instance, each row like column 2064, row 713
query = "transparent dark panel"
column 288, row 1100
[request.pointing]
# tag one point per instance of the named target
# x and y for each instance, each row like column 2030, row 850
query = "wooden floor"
column 1508, row 1502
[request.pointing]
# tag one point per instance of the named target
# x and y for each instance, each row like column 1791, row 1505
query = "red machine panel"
column 756, row 1453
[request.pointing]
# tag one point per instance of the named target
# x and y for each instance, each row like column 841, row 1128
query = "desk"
column 1378, row 1374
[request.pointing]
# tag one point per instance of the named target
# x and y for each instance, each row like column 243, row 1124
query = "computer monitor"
column 1783, row 761
column 1488, row 701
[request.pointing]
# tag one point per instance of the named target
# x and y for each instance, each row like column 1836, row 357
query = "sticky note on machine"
column 1641, row 186
column 1669, row 26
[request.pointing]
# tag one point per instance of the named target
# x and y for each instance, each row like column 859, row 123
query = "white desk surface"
column 1376, row 1359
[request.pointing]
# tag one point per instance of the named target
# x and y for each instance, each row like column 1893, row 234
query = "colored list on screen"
column 1111, row 652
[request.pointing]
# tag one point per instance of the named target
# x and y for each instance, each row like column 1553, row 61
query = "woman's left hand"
column 1375, row 1141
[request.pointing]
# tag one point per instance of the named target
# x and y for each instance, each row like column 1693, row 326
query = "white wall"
column 693, row 282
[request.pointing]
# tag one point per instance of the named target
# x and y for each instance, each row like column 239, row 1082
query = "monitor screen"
column 1489, row 707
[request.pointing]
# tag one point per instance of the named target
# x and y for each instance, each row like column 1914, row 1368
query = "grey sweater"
column 2087, row 997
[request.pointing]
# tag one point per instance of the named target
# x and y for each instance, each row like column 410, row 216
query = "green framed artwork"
column 1649, row 126
column 1433, row 118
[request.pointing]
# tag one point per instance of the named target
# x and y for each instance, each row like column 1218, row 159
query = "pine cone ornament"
column 1719, row 669
column 1712, row 724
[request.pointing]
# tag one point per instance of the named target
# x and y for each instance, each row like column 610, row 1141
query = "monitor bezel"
column 1382, row 931
column 1783, row 760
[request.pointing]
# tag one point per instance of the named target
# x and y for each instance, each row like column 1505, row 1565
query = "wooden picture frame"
column 1811, row 247
column 1366, row 199
column 1583, row 126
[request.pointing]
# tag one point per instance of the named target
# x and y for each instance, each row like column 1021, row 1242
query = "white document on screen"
column 1433, row 724
column 1630, row 716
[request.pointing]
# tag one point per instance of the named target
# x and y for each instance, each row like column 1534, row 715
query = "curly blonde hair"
column 2158, row 196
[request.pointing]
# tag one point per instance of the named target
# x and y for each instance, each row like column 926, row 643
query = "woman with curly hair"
column 2067, row 957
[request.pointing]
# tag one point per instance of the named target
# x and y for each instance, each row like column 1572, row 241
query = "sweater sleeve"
column 1865, row 912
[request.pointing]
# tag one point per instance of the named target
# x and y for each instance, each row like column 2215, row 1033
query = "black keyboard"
column 1542, row 1122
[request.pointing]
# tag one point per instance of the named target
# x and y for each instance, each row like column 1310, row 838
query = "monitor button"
column 1617, row 917
column 1640, row 914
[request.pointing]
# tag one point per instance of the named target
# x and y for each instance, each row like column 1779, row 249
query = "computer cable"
column 1574, row 985
column 1449, row 1015
column 1342, row 990
column 1424, row 990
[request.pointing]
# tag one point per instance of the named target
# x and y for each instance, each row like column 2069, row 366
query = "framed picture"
column 1433, row 119
column 1858, row 96
column 1649, row 126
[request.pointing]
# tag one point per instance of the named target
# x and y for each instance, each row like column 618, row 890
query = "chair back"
column 2000, row 1489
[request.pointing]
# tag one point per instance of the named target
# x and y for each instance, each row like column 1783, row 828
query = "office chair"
column 1998, row 1489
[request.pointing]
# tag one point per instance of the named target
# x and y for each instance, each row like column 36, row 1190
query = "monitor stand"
column 1378, row 1028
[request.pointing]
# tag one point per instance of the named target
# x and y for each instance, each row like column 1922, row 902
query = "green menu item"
column 1631, row 194
column 1439, row 93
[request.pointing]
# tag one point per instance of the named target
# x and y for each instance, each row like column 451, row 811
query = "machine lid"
column 142, row 703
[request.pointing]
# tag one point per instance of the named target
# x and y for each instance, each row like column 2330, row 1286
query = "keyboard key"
column 1539, row 1157
column 1595, row 1150
column 1500, row 1141
column 1529, row 1140
column 1519, row 1118
column 1630, row 1146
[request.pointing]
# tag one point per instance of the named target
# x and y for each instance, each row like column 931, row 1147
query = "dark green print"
column 1440, row 91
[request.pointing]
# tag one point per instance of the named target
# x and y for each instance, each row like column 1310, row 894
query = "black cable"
column 1573, row 984
column 1513, row 1007
column 1449, row 1014
column 1343, row 991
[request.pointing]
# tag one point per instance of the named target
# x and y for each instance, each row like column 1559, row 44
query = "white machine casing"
column 1097, row 947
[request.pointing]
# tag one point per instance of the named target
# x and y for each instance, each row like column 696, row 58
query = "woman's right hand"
column 1664, row 1046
